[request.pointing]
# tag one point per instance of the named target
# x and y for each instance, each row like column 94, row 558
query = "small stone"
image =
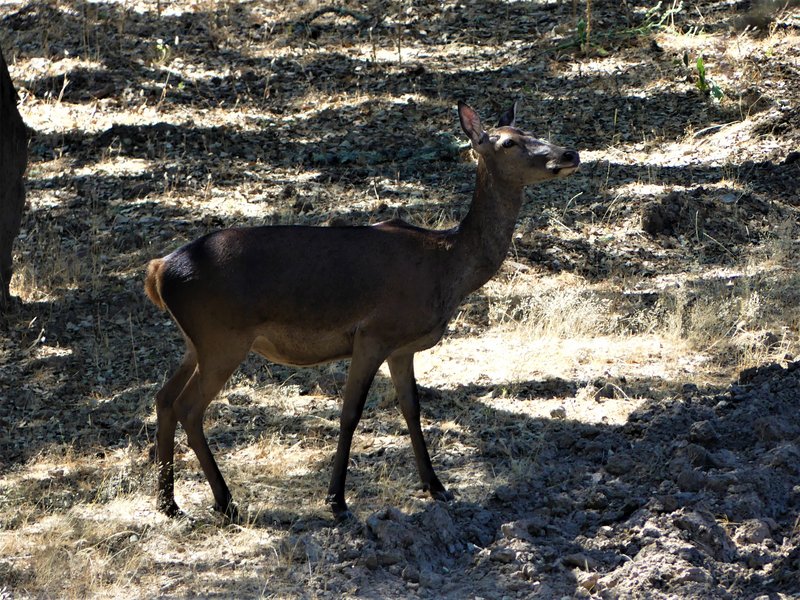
column 389, row 558
column 703, row 432
column 619, row 464
column 411, row 574
column 431, row 580
column 371, row 561
column 606, row 392
column 588, row 581
column 752, row 531
column 503, row 554
column 650, row 531
column 690, row 480
column 694, row 574
column 579, row 560
column 558, row 413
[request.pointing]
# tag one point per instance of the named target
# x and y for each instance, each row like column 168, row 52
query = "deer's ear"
column 507, row 118
column 471, row 124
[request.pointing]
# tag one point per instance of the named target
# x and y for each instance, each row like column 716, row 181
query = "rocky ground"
column 628, row 512
column 616, row 412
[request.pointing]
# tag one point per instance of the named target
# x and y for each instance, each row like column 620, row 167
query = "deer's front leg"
column 367, row 357
column 402, row 371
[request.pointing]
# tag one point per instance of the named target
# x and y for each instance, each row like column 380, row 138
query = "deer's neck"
column 483, row 238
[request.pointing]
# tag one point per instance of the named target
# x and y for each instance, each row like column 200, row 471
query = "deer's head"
column 514, row 156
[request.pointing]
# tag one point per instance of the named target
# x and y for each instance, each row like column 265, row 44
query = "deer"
column 13, row 162
column 307, row 295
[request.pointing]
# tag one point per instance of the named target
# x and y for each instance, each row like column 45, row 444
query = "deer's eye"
column 508, row 142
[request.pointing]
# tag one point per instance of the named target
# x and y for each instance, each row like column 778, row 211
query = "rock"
column 503, row 554
column 703, row 432
column 768, row 429
column 516, row 530
column 411, row 574
column 300, row 549
column 579, row 560
column 606, row 392
column 429, row 579
column 752, row 531
column 588, row 581
column 694, row 574
column 558, row 413
column 619, row 464
column 690, row 480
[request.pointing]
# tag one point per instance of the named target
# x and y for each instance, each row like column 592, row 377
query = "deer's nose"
column 571, row 156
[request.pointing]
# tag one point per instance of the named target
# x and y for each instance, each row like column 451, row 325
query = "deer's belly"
column 303, row 348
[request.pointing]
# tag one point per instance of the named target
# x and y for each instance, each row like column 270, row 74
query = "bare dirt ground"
column 616, row 412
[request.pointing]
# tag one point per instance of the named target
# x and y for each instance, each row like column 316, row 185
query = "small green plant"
column 162, row 52
column 704, row 83
column 654, row 20
column 581, row 37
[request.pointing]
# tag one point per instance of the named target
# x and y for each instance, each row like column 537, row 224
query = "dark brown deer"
column 308, row 295
column 13, row 160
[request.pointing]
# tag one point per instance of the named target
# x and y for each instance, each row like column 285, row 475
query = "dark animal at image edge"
column 13, row 160
column 302, row 296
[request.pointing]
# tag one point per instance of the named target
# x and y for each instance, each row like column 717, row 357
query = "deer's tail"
column 152, row 282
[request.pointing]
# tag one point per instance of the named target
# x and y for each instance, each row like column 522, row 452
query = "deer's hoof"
column 170, row 508
column 442, row 495
column 339, row 508
column 230, row 512
column 344, row 517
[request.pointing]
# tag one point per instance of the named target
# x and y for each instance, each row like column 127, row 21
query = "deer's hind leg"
column 215, row 365
column 165, row 436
